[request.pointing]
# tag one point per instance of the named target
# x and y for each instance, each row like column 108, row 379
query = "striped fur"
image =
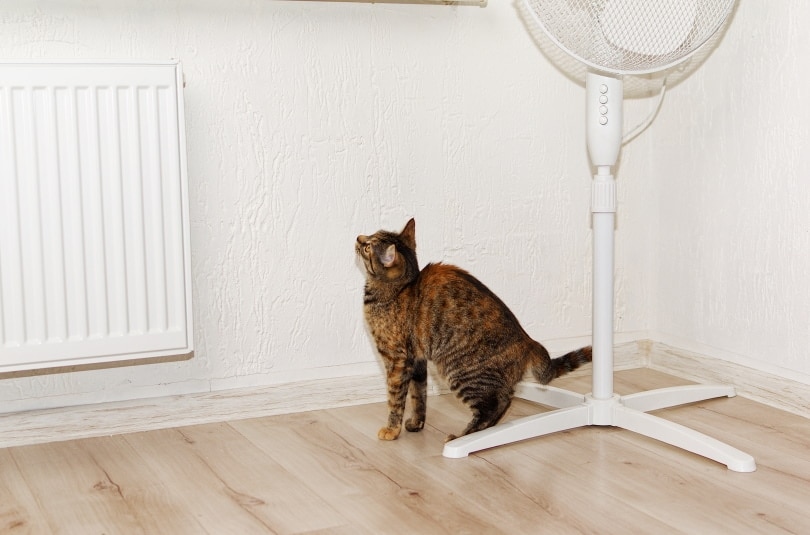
column 445, row 315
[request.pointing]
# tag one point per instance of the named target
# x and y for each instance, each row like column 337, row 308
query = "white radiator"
column 94, row 232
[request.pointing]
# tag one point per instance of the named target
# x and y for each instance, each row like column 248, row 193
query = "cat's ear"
column 408, row 234
column 389, row 256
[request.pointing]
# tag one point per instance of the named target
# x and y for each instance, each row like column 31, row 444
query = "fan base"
column 627, row 412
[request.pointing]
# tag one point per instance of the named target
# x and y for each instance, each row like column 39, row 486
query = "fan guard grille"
column 630, row 36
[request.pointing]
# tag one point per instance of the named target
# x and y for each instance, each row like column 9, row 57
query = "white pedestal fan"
column 615, row 38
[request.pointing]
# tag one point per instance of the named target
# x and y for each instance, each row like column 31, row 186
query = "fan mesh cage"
column 630, row 36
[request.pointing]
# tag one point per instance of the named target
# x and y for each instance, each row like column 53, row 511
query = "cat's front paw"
column 414, row 424
column 388, row 433
column 450, row 437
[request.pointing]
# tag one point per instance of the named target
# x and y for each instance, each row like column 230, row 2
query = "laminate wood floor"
column 326, row 472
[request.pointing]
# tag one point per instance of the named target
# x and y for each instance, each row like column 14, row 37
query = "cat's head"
column 388, row 256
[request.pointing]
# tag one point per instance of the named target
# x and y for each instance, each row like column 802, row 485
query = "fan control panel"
column 604, row 118
column 603, row 99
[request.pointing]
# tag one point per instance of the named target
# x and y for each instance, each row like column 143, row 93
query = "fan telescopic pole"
column 650, row 35
column 603, row 115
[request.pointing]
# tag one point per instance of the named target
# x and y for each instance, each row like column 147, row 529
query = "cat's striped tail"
column 550, row 368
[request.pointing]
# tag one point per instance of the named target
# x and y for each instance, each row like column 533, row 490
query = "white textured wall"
column 311, row 122
column 731, row 160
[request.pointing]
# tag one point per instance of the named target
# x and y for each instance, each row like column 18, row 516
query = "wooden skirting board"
column 32, row 427
column 769, row 389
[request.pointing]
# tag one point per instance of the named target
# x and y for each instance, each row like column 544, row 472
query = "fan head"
column 630, row 36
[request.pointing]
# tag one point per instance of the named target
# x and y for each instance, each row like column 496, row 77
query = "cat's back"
column 448, row 290
column 438, row 273
column 443, row 281
column 457, row 318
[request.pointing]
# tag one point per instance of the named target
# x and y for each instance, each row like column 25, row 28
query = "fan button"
column 603, row 110
column 603, row 89
column 603, row 120
column 603, row 99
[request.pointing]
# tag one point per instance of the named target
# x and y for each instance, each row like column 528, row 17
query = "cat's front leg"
column 418, row 396
column 398, row 378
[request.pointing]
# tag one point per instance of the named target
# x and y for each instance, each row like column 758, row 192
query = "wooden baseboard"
column 33, row 427
column 766, row 388
column 48, row 425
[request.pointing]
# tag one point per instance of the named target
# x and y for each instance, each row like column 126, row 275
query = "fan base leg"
column 626, row 412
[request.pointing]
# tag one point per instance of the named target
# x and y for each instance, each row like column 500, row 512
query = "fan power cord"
column 641, row 127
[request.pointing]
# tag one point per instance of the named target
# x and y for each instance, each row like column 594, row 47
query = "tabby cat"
column 445, row 315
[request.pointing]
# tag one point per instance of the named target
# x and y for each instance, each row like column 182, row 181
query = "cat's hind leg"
column 418, row 394
column 487, row 411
